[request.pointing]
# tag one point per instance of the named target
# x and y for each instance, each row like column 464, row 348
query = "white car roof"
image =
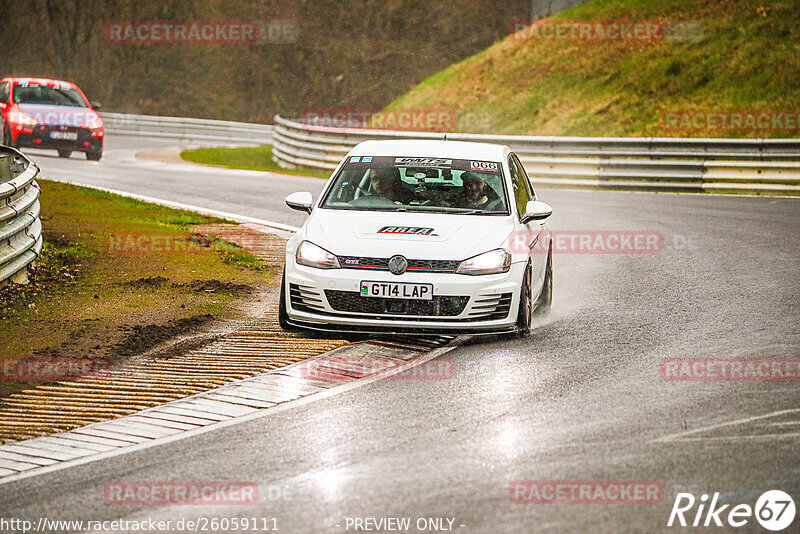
column 431, row 149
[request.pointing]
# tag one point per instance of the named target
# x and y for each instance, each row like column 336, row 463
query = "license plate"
column 69, row 136
column 397, row 291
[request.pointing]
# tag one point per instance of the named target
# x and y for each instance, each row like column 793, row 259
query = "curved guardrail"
column 761, row 166
column 20, row 226
column 187, row 128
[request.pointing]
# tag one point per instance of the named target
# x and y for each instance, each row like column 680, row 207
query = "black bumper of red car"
column 60, row 138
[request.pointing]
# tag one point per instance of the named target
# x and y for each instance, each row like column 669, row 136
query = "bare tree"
column 71, row 24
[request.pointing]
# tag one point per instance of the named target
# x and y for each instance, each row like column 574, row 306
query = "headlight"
column 492, row 262
column 94, row 124
column 18, row 117
column 311, row 255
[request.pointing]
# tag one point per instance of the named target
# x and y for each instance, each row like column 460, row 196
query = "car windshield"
column 51, row 96
column 389, row 183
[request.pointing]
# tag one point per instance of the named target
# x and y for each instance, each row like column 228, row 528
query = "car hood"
column 414, row 235
column 59, row 115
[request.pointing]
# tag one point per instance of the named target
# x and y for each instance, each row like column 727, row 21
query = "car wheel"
column 94, row 156
column 545, row 299
column 283, row 317
column 524, row 316
column 64, row 153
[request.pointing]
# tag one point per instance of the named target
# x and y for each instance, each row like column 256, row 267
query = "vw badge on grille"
column 398, row 264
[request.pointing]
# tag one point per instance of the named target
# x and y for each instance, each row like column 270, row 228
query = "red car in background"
column 54, row 114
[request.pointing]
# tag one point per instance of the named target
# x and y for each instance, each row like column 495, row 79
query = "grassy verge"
column 744, row 59
column 249, row 158
column 117, row 276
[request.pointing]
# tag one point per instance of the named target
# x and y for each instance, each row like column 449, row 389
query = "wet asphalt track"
column 581, row 399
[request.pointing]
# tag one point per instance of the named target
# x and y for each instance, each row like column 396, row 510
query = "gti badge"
column 398, row 264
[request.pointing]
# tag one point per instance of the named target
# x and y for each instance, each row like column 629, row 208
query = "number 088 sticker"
column 490, row 166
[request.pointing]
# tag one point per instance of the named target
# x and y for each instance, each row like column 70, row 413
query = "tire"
column 545, row 300
column 525, row 315
column 64, row 153
column 283, row 317
column 94, row 156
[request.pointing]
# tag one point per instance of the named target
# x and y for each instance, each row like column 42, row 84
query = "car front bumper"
column 329, row 299
column 40, row 137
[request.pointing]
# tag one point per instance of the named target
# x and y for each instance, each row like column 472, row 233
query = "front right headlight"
column 492, row 262
column 20, row 117
column 312, row 255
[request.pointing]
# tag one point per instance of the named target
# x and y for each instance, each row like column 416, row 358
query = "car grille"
column 418, row 266
column 352, row 301
column 305, row 298
column 45, row 129
column 490, row 307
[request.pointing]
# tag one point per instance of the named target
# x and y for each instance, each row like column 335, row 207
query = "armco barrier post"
column 20, row 226
column 5, row 167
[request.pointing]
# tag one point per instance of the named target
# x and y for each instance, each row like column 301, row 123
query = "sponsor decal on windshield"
column 422, row 162
column 43, row 83
column 483, row 166
column 412, row 230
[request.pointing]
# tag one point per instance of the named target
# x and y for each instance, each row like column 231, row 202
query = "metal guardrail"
column 186, row 128
column 760, row 166
column 20, row 226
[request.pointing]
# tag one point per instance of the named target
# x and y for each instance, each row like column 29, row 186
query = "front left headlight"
column 94, row 124
column 492, row 262
column 312, row 255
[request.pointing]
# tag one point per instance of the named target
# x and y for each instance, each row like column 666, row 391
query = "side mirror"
column 95, row 106
column 300, row 201
column 3, row 105
column 536, row 211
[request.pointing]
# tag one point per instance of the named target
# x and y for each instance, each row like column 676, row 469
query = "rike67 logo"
column 774, row 510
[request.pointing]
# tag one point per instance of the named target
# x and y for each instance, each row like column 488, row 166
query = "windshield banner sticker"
column 422, row 162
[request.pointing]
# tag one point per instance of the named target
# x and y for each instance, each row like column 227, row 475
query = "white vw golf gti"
column 420, row 237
